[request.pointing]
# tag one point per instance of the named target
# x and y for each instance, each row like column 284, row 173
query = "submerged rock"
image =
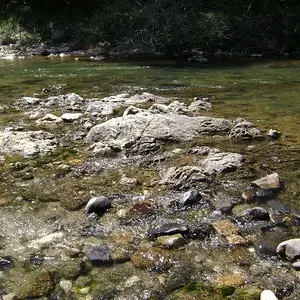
column 99, row 255
column 30, row 143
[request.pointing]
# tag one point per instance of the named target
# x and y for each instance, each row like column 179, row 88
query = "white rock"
column 71, row 117
column 66, row 285
column 46, row 240
column 289, row 248
column 267, row 295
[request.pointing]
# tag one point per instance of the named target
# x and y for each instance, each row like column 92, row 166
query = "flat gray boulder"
column 145, row 127
column 27, row 144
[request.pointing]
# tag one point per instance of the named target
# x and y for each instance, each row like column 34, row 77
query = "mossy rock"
column 197, row 290
column 247, row 293
column 36, row 285
column 70, row 269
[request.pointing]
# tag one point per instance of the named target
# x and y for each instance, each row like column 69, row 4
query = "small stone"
column 225, row 227
column 289, row 248
column 274, row 134
column 167, row 229
column 98, row 205
column 171, row 242
column 296, row 265
column 271, row 181
column 99, row 255
column 256, row 213
column 267, row 295
column 66, row 285
column 235, row 280
column 132, row 281
column 46, row 240
column 191, row 197
column 71, row 117
column 128, row 180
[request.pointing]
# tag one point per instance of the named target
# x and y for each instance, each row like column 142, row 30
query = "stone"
column 274, row 134
column 71, row 117
column 199, row 230
column 235, row 280
column 134, row 131
column 128, row 180
column 191, row 197
column 296, row 265
column 66, row 285
column 6, row 262
column 267, row 295
column 184, row 176
column 27, row 144
column 46, row 240
column 167, row 229
column 221, row 162
column 271, row 181
column 152, row 259
column 244, row 130
column 224, row 202
column 204, row 150
column 99, row 255
column 98, row 205
column 49, row 118
column 171, row 242
column 256, row 213
column 28, row 101
column 289, row 248
column 200, row 105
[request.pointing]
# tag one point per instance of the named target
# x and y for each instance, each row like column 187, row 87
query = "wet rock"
column 200, row 230
column 71, row 117
column 258, row 194
column 271, row 181
column 49, row 118
column 139, row 211
column 224, row 202
column 171, row 242
column 296, row 265
column 200, row 105
column 152, row 259
column 47, row 240
column 71, row 269
column 6, row 262
column 167, row 229
column 185, row 176
column 274, row 134
column 289, row 248
column 35, row 285
column 267, row 295
column 234, row 280
column 244, row 130
column 99, row 255
column 28, row 144
column 98, row 205
column 191, row 197
column 222, row 162
column 142, row 128
column 204, row 150
column 256, row 213
column 66, row 286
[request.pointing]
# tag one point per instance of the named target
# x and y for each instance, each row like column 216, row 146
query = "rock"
column 296, row 265
column 199, row 230
column 267, row 295
column 6, row 262
column 184, row 176
column 35, row 285
column 128, row 180
column 200, row 105
column 98, row 205
column 30, row 143
column 100, row 108
column 66, row 285
column 47, row 240
column 171, row 242
column 174, row 107
column 247, row 293
column 234, row 280
column 49, row 118
column 132, row 110
column 167, row 229
column 28, row 101
column 191, row 197
column 289, row 248
column 139, row 211
column 204, row 150
column 69, row 118
column 99, row 255
column 271, row 181
column 244, row 130
column 152, row 259
column 274, row 134
column 222, row 162
column 224, row 202
column 256, row 213
column 145, row 128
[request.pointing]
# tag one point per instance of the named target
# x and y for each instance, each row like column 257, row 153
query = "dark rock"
column 167, row 229
column 256, row 213
column 99, row 255
column 191, row 197
column 199, row 230
column 6, row 262
column 98, row 205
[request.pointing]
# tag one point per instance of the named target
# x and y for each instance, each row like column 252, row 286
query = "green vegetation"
column 248, row 26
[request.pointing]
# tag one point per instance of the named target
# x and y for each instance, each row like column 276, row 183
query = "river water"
column 265, row 92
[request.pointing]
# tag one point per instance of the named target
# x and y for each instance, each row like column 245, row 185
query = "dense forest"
column 243, row 26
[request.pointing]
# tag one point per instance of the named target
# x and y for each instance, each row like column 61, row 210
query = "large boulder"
column 27, row 144
column 144, row 128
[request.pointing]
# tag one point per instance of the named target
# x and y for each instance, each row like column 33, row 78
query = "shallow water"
column 263, row 92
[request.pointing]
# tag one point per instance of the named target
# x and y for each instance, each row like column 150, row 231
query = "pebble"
column 267, row 295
